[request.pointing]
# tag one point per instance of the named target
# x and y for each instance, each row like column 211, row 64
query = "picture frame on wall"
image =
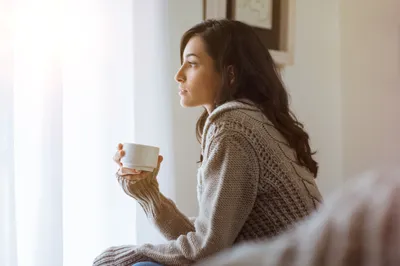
column 272, row 20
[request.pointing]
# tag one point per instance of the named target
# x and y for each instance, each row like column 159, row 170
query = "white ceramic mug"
column 140, row 157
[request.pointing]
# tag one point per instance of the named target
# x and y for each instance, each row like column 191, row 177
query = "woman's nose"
column 179, row 76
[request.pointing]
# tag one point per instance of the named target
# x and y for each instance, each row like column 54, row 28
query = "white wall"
column 314, row 84
column 370, row 59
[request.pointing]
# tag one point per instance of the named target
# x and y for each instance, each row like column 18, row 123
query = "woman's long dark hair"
column 239, row 54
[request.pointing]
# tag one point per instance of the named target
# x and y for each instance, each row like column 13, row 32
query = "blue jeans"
column 146, row 263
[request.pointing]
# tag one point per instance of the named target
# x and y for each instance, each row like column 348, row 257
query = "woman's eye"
column 192, row 63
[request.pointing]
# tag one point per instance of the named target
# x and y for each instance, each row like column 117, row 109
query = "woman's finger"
column 116, row 158
column 118, row 155
column 155, row 172
column 160, row 159
column 120, row 146
column 131, row 177
column 128, row 171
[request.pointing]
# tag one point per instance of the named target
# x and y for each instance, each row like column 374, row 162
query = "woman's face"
column 198, row 79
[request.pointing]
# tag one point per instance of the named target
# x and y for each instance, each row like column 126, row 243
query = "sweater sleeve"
column 171, row 222
column 358, row 225
column 160, row 210
column 231, row 173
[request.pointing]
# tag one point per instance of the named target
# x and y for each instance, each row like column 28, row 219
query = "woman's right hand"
column 123, row 171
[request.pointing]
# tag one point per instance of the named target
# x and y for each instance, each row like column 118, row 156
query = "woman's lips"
column 182, row 91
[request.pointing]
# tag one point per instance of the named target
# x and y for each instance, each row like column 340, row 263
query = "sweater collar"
column 243, row 104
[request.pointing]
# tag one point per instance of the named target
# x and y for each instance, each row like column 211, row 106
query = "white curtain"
column 76, row 78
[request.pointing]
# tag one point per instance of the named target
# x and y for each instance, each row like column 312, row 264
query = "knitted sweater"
column 358, row 225
column 250, row 186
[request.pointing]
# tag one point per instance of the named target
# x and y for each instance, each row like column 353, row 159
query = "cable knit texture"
column 359, row 225
column 250, row 186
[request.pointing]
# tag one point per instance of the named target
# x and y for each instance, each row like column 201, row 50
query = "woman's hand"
column 136, row 183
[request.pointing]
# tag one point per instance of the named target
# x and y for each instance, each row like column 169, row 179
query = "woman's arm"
column 161, row 211
column 171, row 222
column 231, row 175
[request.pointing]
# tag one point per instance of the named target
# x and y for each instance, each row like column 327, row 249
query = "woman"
column 257, row 172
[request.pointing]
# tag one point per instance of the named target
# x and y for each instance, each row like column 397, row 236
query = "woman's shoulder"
column 234, row 117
